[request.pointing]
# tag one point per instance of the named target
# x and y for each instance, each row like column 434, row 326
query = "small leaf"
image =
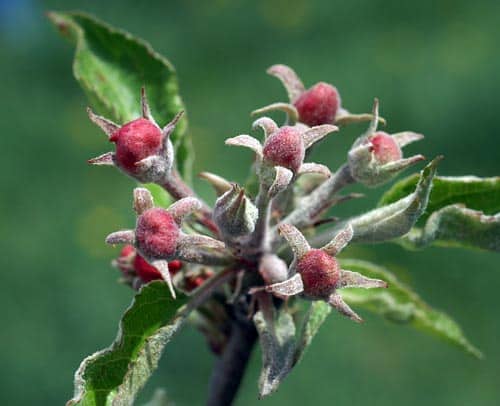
column 457, row 225
column 114, row 376
column 475, row 193
column 396, row 219
column 278, row 344
column 160, row 196
column 399, row 304
column 111, row 66
column 314, row 318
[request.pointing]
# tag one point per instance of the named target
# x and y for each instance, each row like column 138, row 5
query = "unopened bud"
column 318, row 105
column 376, row 157
column 157, row 233
column 234, row 213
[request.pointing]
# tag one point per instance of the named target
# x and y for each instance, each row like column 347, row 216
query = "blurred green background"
column 435, row 66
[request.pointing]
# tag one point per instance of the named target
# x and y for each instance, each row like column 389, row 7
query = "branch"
column 319, row 200
column 230, row 367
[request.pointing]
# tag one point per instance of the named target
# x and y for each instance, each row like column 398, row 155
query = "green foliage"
column 160, row 196
column 462, row 211
column 111, row 66
column 399, row 304
column 315, row 316
column 458, row 226
column 473, row 192
column 277, row 339
column 114, row 376
column 396, row 219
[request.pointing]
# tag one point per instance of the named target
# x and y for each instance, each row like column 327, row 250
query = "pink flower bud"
column 285, row 147
column 136, row 141
column 320, row 273
column 157, row 233
column 318, row 105
column 385, row 148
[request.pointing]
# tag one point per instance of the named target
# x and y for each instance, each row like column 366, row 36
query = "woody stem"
column 178, row 189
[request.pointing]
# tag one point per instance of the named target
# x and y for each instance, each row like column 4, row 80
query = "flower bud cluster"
column 249, row 234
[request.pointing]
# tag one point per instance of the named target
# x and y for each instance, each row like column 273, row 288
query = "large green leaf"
column 475, row 193
column 457, row 225
column 399, row 304
column 114, row 376
column 111, row 66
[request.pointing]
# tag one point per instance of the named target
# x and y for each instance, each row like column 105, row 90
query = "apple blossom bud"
column 318, row 105
column 285, row 147
column 234, row 213
column 385, row 148
column 134, row 142
column 320, row 273
column 376, row 157
column 157, row 233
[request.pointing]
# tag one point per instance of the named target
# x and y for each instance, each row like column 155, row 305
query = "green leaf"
column 315, row 316
column 114, row 376
column 277, row 339
column 457, row 225
column 396, row 219
column 111, row 66
column 475, row 193
column 399, row 304
column 161, row 198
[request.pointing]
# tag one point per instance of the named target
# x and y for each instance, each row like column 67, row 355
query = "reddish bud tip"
column 285, row 147
column 157, row 233
column 175, row 266
column 318, row 105
column 127, row 250
column 145, row 270
column 385, row 148
column 135, row 141
column 320, row 273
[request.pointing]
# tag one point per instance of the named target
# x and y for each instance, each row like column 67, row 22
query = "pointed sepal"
column 105, row 159
column 336, row 301
column 290, row 80
column 103, row 123
column 246, row 141
column 121, row 237
column 143, row 200
column 339, row 242
column 162, row 267
column 295, row 239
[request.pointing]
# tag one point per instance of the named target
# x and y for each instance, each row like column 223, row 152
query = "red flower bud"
column 126, row 251
column 146, row 271
column 318, row 105
column 157, row 233
column 175, row 266
column 136, row 141
column 320, row 272
column 285, row 147
column 385, row 148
